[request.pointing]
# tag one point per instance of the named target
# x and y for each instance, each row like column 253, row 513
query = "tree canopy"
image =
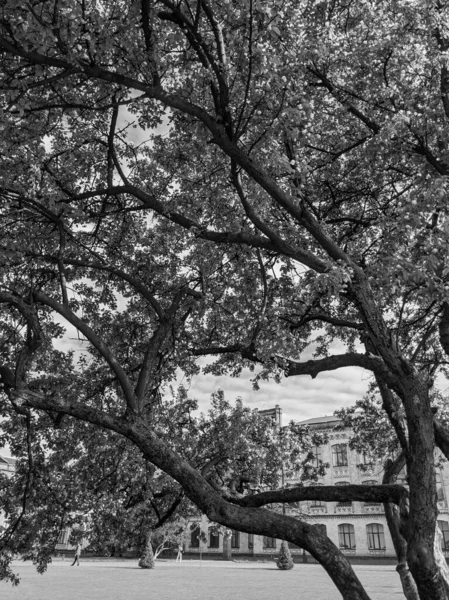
column 238, row 179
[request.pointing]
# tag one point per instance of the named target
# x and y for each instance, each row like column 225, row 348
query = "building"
column 7, row 466
column 359, row 529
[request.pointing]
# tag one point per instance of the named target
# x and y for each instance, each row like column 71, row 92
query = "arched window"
column 214, row 539
column 322, row 528
column 195, row 531
column 345, row 502
column 340, row 455
column 346, row 536
column 444, row 528
column 376, row 538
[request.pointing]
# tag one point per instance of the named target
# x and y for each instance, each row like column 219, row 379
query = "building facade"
column 7, row 466
column 359, row 529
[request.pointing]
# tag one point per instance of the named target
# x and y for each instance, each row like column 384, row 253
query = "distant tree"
column 169, row 536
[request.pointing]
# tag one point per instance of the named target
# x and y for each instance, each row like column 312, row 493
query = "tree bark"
column 393, row 517
column 422, row 519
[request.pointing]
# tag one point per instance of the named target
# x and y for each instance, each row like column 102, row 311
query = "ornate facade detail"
column 318, row 510
column 338, row 436
column 372, row 508
column 343, row 510
column 340, row 472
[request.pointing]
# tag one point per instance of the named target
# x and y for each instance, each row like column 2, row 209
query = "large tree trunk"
column 393, row 517
column 422, row 519
column 400, row 545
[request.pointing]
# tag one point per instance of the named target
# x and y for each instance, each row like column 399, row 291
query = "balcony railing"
column 343, row 510
column 372, row 508
column 340, row 471
column 318, row 510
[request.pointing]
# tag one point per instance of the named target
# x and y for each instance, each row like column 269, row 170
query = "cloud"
column 299, row 397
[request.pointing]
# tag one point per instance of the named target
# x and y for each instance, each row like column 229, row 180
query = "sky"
column 299, row 397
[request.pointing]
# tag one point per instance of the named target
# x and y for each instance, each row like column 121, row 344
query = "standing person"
column 77, row 554
column 180, row 551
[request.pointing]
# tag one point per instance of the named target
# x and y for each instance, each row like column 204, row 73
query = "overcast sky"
column 300, row 397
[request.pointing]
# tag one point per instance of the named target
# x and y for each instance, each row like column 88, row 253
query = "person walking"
column 180, row 551
column 77, row 554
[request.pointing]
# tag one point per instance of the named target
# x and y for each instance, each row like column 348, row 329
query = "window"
column 293, row 546
column 195, row 535
column 365, row 461
column 250, row 541
column 214, row 539
column 269, row 542
column 340, row 455
column 63, row 536
column 439, row 486
column 322, row 528
column 376, row 538
column 345, row 502
column 317, row 452
column 235, row 539
column 346, row 536
column 444, row 528
column 370, row 482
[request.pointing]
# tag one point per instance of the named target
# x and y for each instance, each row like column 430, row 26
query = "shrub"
column 147, row 559
column 284, row 560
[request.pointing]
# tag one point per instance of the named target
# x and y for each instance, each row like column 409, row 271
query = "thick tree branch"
column 366, row 361
column 344, row 493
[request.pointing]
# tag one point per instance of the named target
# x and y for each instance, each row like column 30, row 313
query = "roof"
column 320, row 420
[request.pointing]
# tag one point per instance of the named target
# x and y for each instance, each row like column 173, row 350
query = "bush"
column 147, row 559
column 284, row 560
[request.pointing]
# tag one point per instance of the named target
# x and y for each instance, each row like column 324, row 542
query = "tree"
column 171, row 535
column 287, row 189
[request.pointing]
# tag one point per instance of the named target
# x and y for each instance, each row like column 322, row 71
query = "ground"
column 190, row 580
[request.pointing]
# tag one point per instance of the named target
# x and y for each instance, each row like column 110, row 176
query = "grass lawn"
column 190, row 580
